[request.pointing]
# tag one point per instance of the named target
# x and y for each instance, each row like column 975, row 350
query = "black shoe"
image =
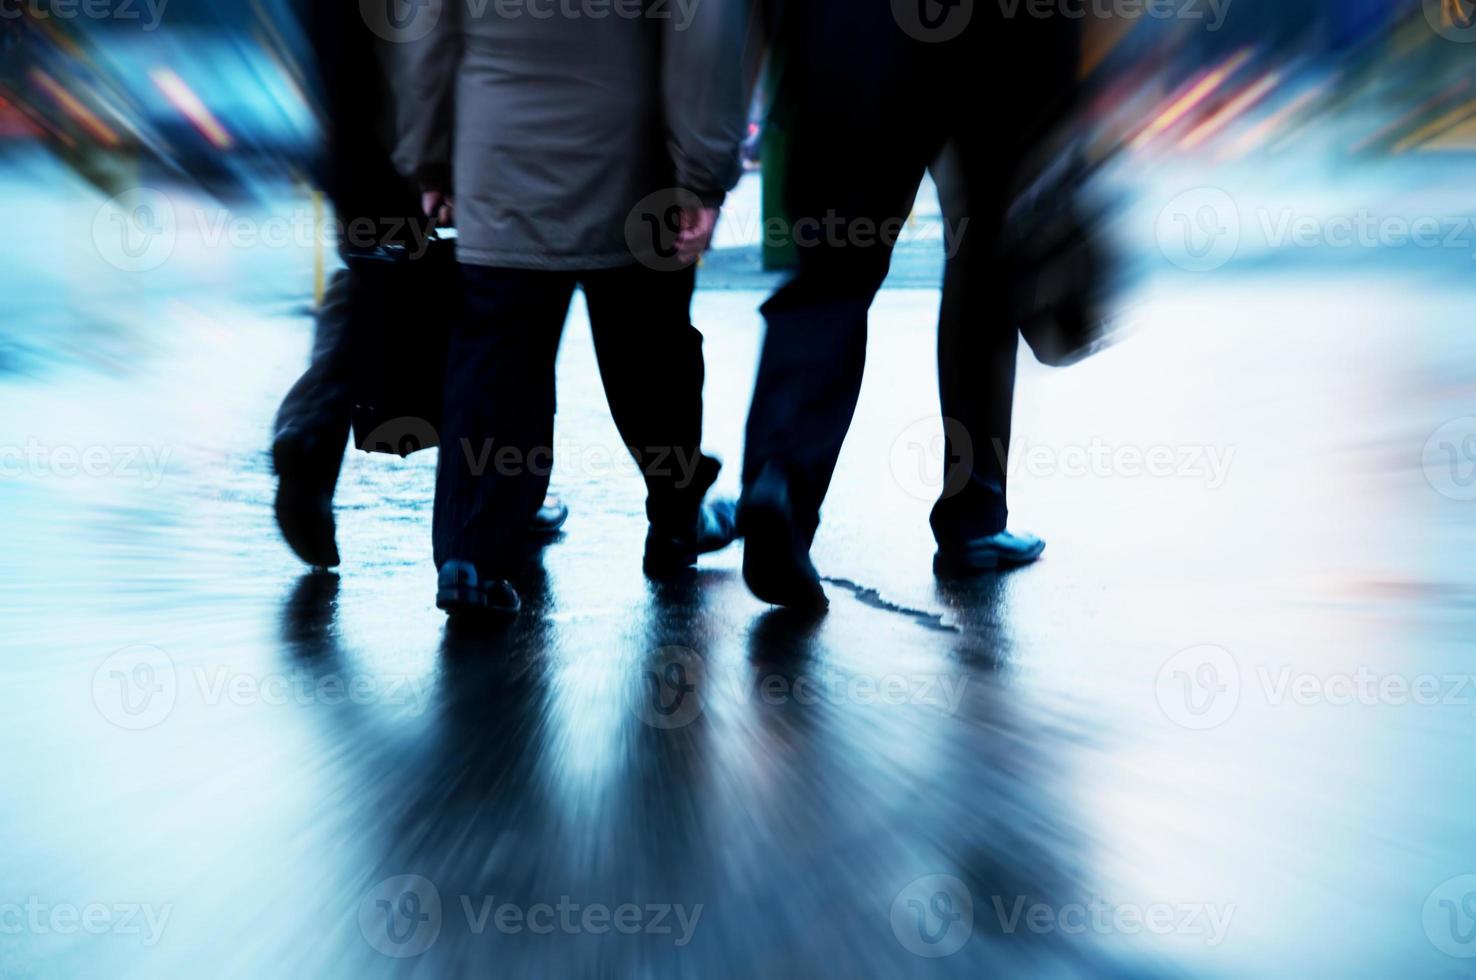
column 462, row 590
column 669, row 551
column 549, row 519
column 776, row 554
column 1002, row 550
column 304, row 504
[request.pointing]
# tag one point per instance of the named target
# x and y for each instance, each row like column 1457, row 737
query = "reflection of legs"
column 497, row 433
column 651, row 364
column 311, row 429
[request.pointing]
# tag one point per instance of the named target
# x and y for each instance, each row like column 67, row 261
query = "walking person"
column 871, row 92
column 355, row 72
column 551, row 140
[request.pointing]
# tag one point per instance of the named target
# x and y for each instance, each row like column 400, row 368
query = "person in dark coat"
column 575, row 152
column 872, row 90
column 355, row 72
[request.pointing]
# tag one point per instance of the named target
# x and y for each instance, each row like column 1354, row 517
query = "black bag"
column 1060, row 269
column 404, row 304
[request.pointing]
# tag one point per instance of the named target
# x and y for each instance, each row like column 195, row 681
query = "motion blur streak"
column 1223, row 729
column 75, row 109
column 1232, row 109
column 194, row 110
column 1185, row 103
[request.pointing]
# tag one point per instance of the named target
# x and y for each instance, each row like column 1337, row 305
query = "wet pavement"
column 1222, row 728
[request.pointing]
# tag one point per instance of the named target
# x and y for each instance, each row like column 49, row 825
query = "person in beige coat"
column 576, row 144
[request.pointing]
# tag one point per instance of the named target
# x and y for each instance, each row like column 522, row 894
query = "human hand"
column 697, row 225
column 439, row 207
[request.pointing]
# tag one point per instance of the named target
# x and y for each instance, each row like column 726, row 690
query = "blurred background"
column 1221, row 729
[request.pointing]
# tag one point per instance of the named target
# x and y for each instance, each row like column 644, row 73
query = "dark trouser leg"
column 977, row 349
column 809, row 378
column 651, row 364
column 861, row 134
column 978, row 340
column 319, row 406
column 312, row 426
column 497, row 430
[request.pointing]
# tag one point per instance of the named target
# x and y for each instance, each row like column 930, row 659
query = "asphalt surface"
column 1154, row 753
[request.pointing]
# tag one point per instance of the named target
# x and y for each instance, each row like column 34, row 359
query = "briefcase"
column 403, row 308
